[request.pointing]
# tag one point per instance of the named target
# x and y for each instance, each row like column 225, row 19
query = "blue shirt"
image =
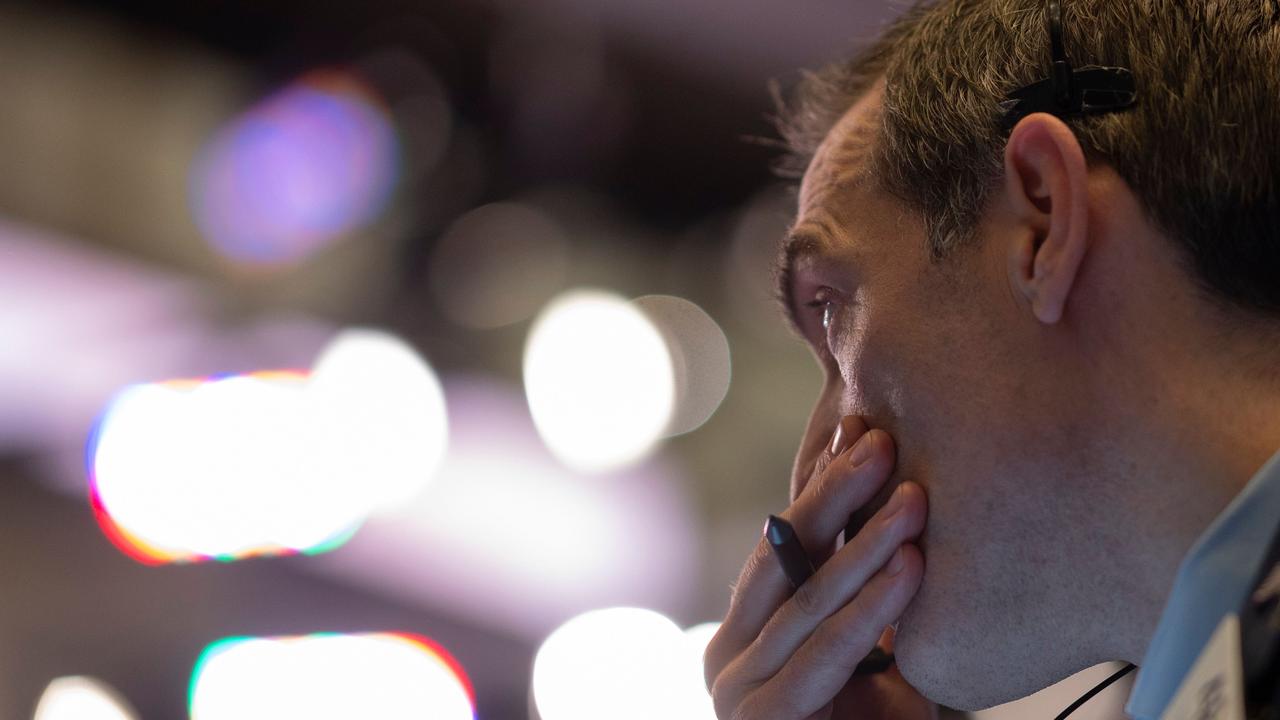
column 1214, row 579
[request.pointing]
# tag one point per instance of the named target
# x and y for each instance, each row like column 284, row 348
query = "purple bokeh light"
column 297, row 171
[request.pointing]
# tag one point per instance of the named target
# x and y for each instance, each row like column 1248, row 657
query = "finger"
column 834, row 585
column 762, row 573
column 848, row 431
column 823, row 507
column 813, row 676
column 851, row 429
column 762, row 586
column 822, row 510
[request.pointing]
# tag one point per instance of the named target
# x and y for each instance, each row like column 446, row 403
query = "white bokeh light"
column 599, row 380
column 269, row 462
column 700, row 706
column 622, row 663
column 386, row 407
column 82, row 698
column 323, row 677
column 619, row 663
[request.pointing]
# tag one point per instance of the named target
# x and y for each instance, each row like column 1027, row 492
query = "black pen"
column 798, row 568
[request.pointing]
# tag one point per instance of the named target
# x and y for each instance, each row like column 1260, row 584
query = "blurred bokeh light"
column 82, row 698
column 386, row 416
column 699, row 358
column 620, row 663
column 375, row 676
column 509, row 536
column 696, row 640
column 296, row 171
column 267, row 463
column 599, row 380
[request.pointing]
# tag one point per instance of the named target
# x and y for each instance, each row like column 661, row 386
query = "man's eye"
column 823, row 300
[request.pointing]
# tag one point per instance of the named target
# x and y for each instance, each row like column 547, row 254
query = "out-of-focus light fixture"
column 375, row 676
column 599, row 380
column 621, row 663
column 267, row 463
column 699, row 358
column 700, row 705
column 385, row 412
column 296, row 171
column 82, row 698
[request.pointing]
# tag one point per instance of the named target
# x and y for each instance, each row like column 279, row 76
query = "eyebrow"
column 795, row 244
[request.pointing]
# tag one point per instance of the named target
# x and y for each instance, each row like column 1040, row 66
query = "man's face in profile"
column 941, row 355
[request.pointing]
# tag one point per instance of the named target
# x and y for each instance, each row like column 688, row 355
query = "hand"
column 780, row 656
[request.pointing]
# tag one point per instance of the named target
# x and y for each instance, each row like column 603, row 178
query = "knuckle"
column 710, row 668
column 715, row 662
column 724, row 702
column 747, row 711
column 731, row 690
column 838, row 645
column 755, row 562
column 822, row 487
column 820, row 466
column 719, row 697
column 721, row 706
column 770, row 704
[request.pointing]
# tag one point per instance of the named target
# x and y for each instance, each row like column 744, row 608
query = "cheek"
column 917, row 375
column 857, row 350
column 878, row 360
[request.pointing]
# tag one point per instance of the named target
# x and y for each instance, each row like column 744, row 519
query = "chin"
column 941, row 657
column 929, row 668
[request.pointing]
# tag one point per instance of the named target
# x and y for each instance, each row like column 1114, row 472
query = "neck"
column 1193, row 434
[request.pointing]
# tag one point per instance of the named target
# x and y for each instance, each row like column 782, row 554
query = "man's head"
column 1039, row 318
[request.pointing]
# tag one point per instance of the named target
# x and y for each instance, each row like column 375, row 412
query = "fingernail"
column 896, row 563
column 840, row 440
column 895, row 502
column 861, row 451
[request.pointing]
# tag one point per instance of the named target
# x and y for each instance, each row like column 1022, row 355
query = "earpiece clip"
column 1070, row 92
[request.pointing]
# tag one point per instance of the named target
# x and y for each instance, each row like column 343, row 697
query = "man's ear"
column 1046, row 183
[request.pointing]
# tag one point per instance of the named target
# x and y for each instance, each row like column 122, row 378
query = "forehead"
column 843, row 159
